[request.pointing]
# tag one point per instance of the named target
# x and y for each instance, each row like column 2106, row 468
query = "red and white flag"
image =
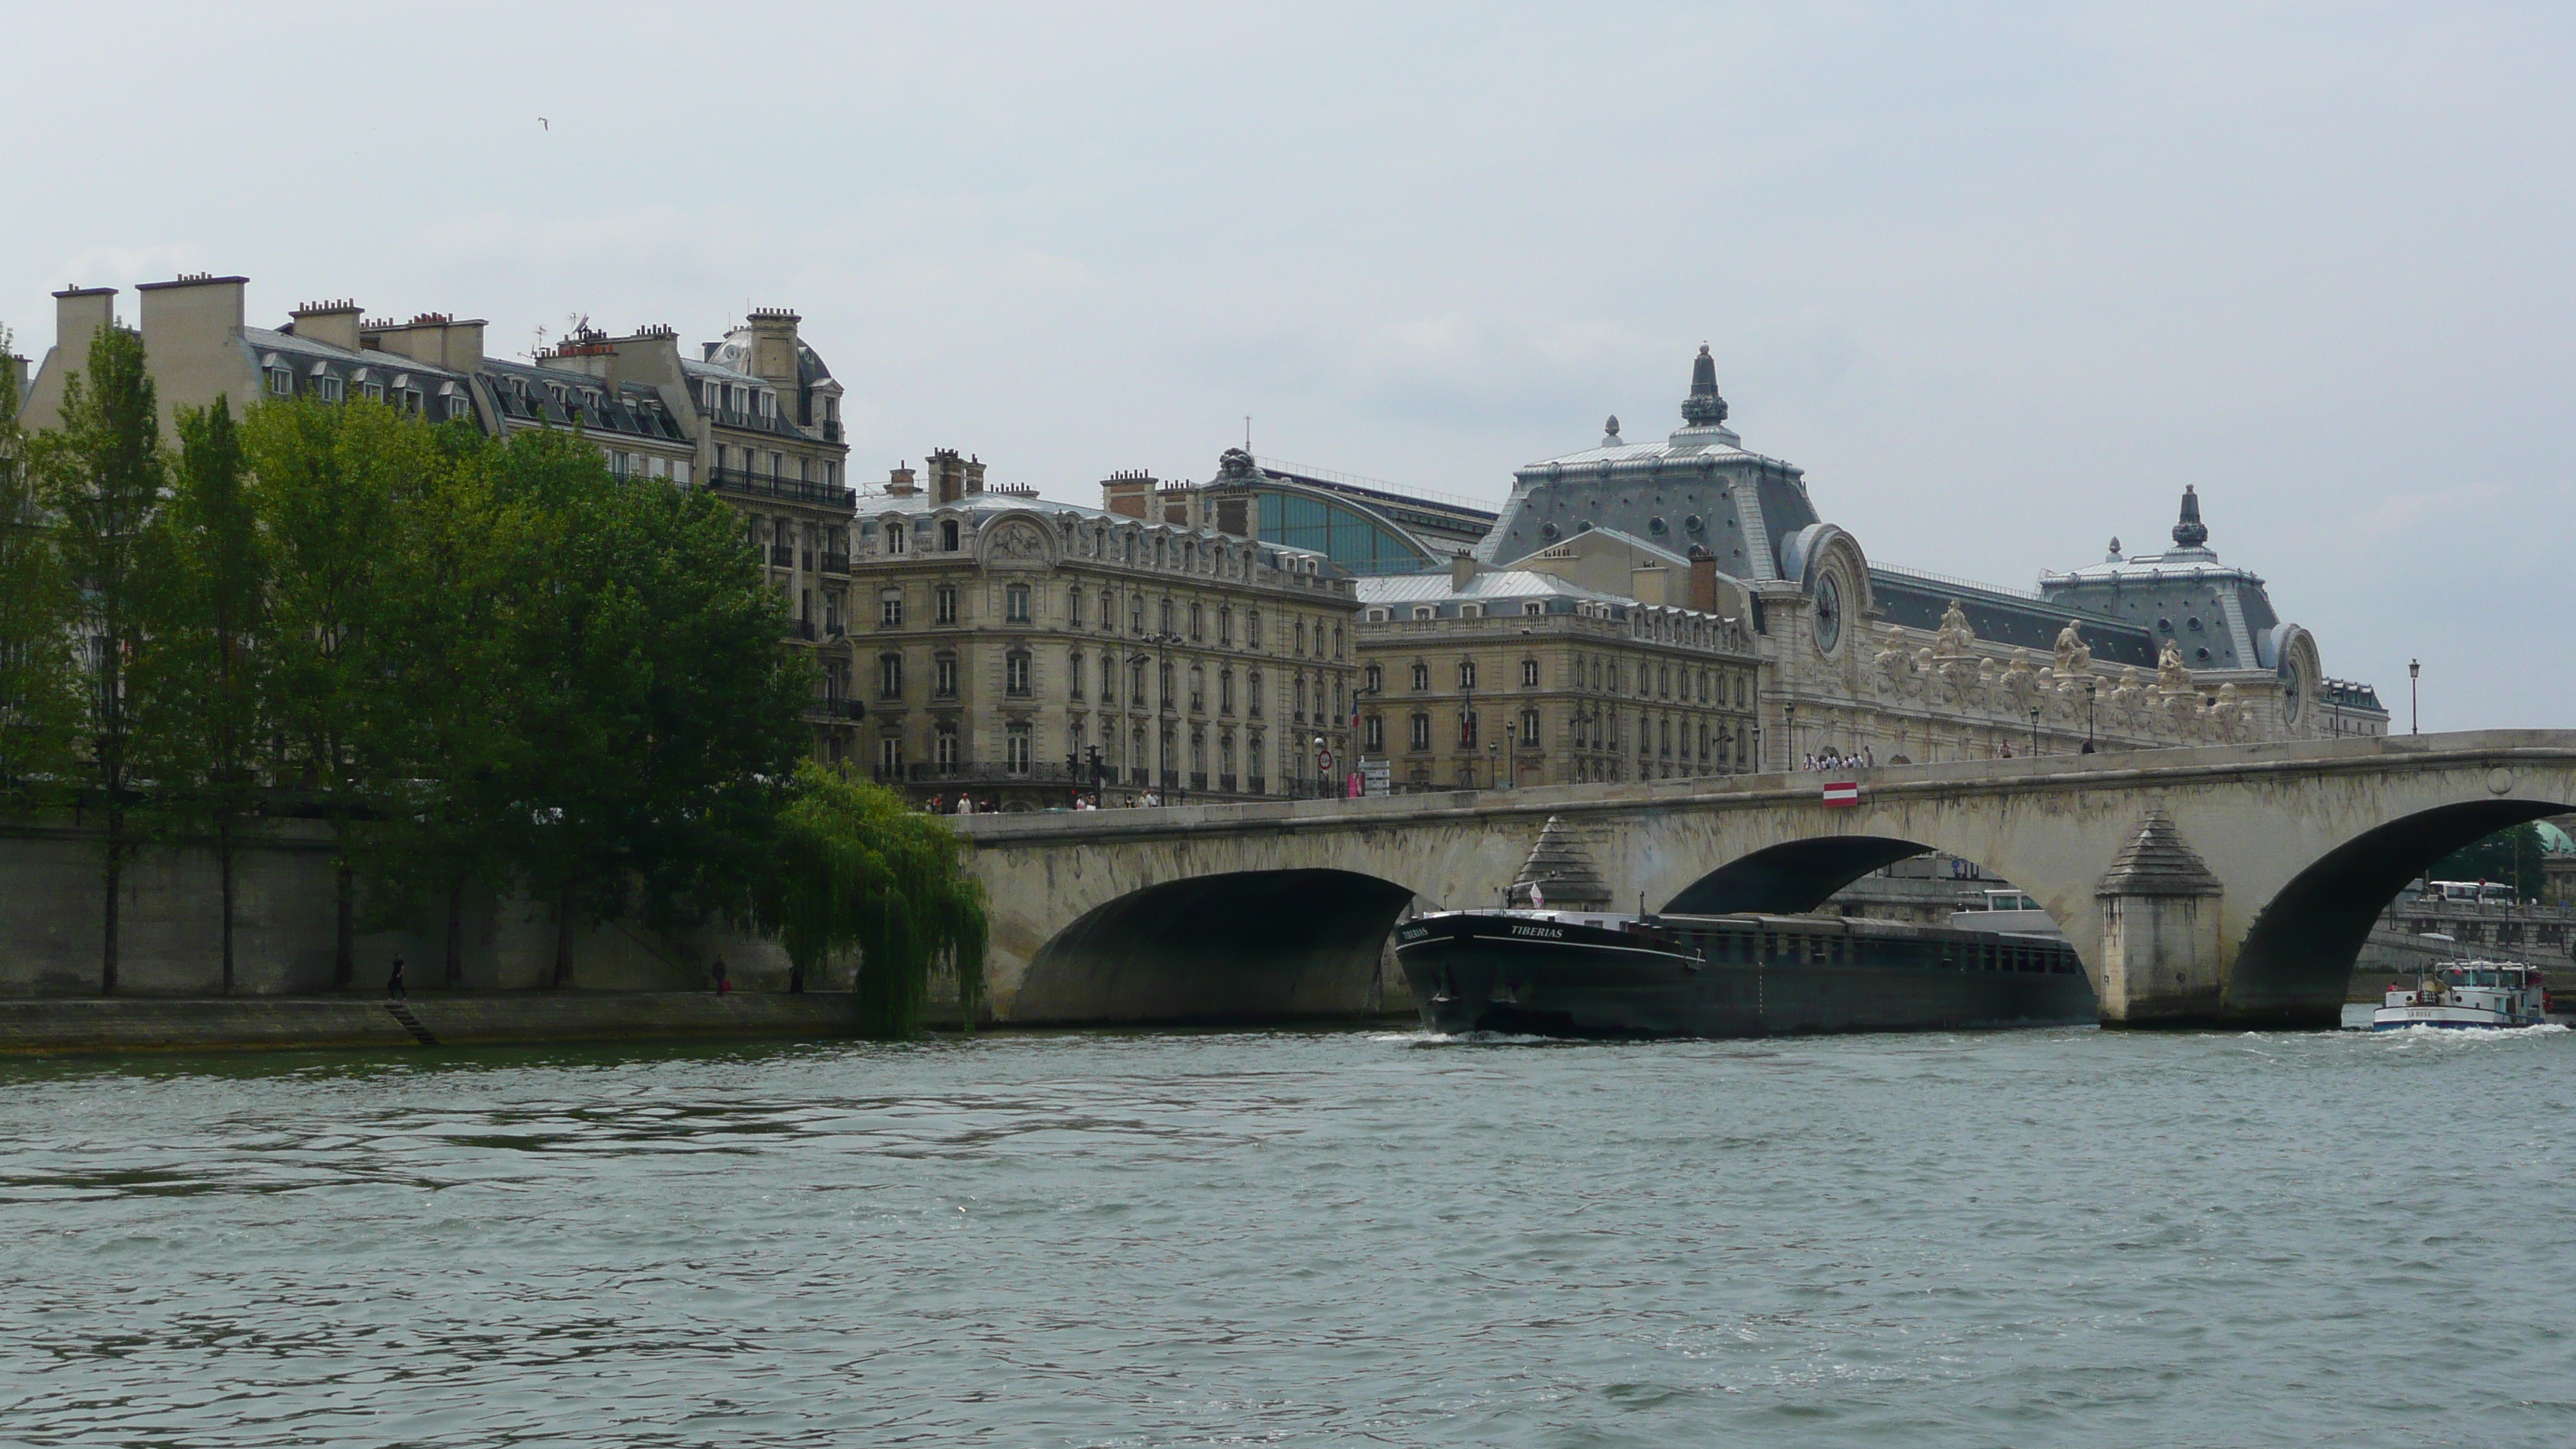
column 1843, row 792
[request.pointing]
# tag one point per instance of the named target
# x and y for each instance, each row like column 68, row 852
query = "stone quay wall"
column 52, row 900
column 353, row 1019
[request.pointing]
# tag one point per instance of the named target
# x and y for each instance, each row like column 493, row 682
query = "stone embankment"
column 429, row 1020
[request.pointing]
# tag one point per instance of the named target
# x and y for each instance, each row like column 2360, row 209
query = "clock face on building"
column 1829, row 613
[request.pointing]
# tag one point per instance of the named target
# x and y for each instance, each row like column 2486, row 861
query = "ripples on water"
column 1362, row 1237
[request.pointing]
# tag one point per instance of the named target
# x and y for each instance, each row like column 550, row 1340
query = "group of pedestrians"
column 965, row 804
column 1836, row 760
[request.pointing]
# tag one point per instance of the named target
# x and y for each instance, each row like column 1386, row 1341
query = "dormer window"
column 325, row 386
column 281, row 382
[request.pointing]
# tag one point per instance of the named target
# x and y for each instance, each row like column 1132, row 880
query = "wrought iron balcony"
column 836, row 709
column 794, row 490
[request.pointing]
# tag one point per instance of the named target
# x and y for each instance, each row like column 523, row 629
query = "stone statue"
column 2018, row 682
column 2171, row 672
column 1893, row 665
column 1954, row 636
column 2074, row 656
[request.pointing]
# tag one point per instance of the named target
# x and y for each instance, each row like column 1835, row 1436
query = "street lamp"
column 2089, row 687
column 1789, row 756
column 1323, row 766
column 2034, row 730
column 2414, row 713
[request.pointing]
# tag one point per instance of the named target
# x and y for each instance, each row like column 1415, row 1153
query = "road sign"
column 1843, row 792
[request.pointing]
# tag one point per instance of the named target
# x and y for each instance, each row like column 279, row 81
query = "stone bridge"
column 2224, row 885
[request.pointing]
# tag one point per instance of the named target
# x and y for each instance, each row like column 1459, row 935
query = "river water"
column 1357, row 1237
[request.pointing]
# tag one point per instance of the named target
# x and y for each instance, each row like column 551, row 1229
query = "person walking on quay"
column 965, row 803
column 394, row 988
column 724, row 979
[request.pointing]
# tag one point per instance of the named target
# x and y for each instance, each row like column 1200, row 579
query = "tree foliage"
column 858, row 869
column 39, row 688
column 100, row 478
column 2512, row 856
column 486, row 662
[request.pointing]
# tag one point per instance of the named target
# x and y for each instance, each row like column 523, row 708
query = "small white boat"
column 2490, row 994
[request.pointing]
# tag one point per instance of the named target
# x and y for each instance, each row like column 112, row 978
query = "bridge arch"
column 2301, row 945
column 1240, row 946
column 1791, row 877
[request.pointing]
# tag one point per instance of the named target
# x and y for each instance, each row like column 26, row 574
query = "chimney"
column 333, row 324
column 947, row 476
column 431, row 337
column 974, row 475
column 1703, row 579
column 197, row 312
column 1125, row 493
column 773, row 346
column 78, row 314
column 899, row 483
column 1462, row 567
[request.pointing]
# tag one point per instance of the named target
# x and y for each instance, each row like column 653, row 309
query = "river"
column 1301, row 1238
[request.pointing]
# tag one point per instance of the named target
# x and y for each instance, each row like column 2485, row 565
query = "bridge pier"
column 2161, row 932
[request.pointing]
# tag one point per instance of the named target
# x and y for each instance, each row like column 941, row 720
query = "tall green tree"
column 331, row 481
column 203, row 675
column 39, row 691
column 651, row 716
column 101, row 475
column 448, row 673
column 855, row 868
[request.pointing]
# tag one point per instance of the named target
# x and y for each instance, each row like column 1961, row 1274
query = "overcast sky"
column 2001, row 279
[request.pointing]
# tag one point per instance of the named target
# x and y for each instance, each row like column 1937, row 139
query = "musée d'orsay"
column 1676, row 606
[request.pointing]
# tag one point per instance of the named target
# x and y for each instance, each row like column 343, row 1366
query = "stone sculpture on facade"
column 2074, row 656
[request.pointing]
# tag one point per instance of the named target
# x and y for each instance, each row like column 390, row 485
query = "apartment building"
column 1024, row 650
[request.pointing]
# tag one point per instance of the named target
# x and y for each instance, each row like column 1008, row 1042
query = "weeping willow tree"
column 859, row 869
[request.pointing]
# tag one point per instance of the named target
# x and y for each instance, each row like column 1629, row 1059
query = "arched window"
column 1376, row 678
column 1252, row 694
column 1073, row 675
column 1252, row 629
column 897, row 534
column 1108, row 610
column 1108, row 679
column 948, row 534
column 1073, row 607
column 1198, row 690
column 1529, row 674
column 1163, row 617
column 1225, row 691
column 1301, row 698
column 889, row 676
column 1197, row 631
column 1225, row 626
column 1529, row 729
column 1421, row 676
column 943, row 747
column 1136, row 684
column 1301, row 638
column 943, row 676
column 1164, row 678
column 1136, row 613
column 1466, row 674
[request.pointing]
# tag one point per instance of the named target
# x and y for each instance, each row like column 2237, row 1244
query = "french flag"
column 1843, row 792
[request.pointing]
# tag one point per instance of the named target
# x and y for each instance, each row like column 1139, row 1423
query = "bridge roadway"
column 2227, row 885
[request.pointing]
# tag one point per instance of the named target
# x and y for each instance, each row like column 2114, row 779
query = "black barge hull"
column 1731, row 976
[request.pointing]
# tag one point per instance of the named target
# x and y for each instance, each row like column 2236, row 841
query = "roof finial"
column 1610, row 432
column 2190, row 532
column 1703, row 408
